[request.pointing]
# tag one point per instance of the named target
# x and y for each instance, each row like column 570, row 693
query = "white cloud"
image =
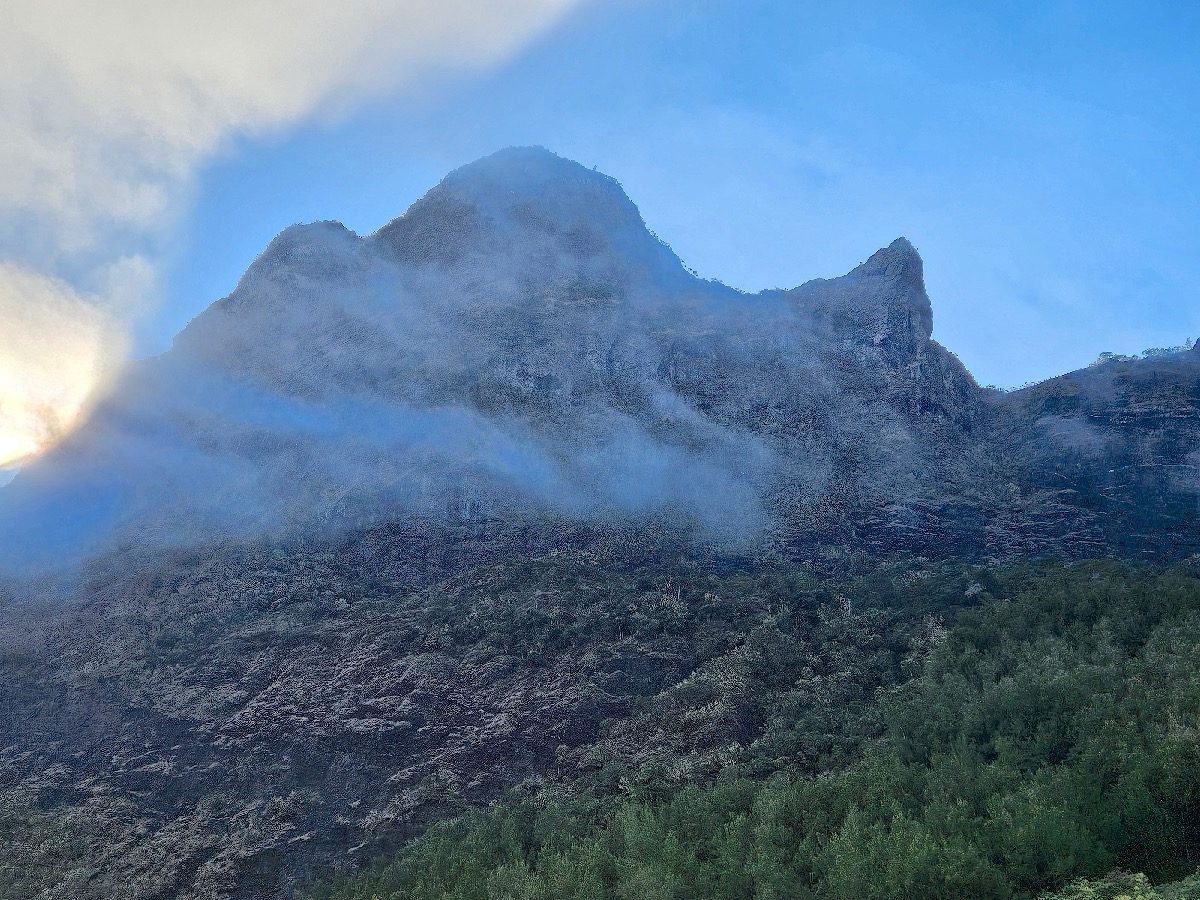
column 106, row 107
column 107, row 110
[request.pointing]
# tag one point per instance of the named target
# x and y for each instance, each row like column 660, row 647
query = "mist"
column 519, row 348
column 516, row 346
column 112, row 111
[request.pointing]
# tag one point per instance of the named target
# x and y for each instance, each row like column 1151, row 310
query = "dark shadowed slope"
column 1120, row 441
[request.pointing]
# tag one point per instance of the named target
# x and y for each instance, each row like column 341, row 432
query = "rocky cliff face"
column 1117, row 442
column 380, row 429
column 518, row 346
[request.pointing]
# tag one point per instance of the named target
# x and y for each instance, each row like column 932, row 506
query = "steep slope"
column 231, row 723
column 1120, row 442
column 518, row 346
column 493, row 497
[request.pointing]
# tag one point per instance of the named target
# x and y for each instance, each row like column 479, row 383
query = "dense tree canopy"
column 1044, row 737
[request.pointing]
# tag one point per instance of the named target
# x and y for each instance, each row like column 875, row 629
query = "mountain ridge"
column 493, row 503
column 518, row 341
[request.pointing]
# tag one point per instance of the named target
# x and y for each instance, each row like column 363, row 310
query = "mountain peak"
column 520, row 342
column 883, row 300
column 898, row 260
column 896, row 274
column 525, row 170
column 533, row 206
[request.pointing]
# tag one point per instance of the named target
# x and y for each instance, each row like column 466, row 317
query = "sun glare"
column 15, row 449
column 55, row 351
column 30, row 425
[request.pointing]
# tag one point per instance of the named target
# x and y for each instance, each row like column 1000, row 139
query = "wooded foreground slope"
column 1048, row 735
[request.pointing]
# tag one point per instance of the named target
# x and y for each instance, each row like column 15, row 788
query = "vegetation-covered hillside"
column 611, row 722
column 235, row 721
column 501, row 522
column 1047, row 736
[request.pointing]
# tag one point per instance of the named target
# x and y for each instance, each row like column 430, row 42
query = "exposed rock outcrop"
column 516, row 368
column 519, row 347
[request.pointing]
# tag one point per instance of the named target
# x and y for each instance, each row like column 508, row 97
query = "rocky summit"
column 467, row 505
column 518, row 347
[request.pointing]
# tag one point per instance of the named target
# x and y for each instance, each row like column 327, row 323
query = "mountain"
column 502, row 497
column 518, row 347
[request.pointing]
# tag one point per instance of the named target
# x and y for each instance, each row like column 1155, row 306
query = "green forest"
column 1024, row 732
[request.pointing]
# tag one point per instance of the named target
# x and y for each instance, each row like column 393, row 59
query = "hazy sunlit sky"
column 1041, row 156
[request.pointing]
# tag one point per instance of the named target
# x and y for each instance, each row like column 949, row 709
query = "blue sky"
column 1042, row 157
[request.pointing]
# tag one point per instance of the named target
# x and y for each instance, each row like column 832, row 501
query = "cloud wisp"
column 108, row 111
